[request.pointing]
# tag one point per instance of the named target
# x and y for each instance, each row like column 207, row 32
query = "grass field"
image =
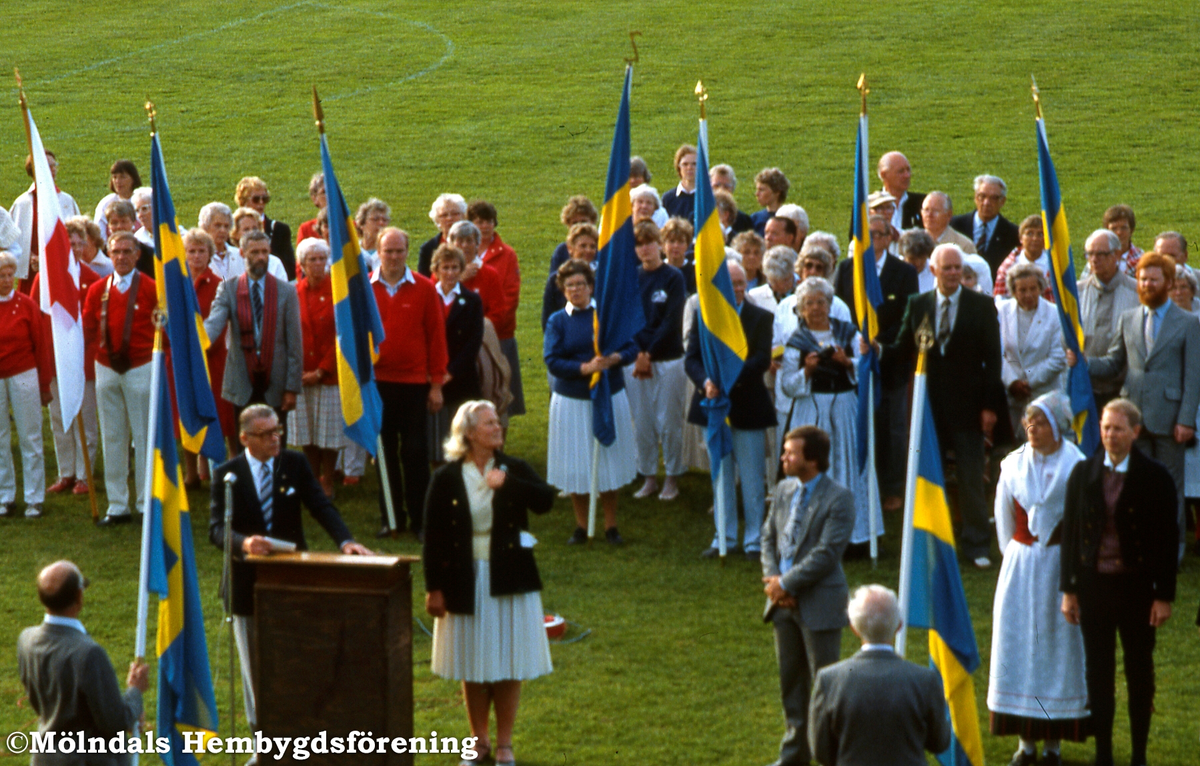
column 514, row 103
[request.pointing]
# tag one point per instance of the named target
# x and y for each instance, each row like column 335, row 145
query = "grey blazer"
column 816, row 579
column 72, row 686
column 288, row 361
column 1164, row 384
column 876, row 707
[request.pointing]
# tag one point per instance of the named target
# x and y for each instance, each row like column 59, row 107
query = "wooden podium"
column 333, row 649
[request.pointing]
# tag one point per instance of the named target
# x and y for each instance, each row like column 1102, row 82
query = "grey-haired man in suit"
column 803, row 540
column 875, row 707
column 68, row 676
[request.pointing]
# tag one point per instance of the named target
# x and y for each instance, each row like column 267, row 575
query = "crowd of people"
column 449, row 373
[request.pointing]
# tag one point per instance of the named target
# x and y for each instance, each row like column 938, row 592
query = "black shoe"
column 1051, row 759
column 420, row 533
column 1022, row 758
column 715, row 552
column 753, row 555
column 111, row 521
column 613, row 536
column 578, row 537
column 386, row 532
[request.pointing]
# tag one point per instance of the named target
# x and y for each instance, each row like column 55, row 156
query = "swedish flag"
column 1066, row 297
column 937, row 600
column 722, row 340
column 359, row 329
column 867, row 292
column 618, row 314
column 185, row 694
column 198, row 421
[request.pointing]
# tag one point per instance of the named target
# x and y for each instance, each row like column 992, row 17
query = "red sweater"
column 318, row 328
column 414, row 346
column 503, row 259
column 141, row 336
column 87, row 278
column 23, row 345
column 486, row 283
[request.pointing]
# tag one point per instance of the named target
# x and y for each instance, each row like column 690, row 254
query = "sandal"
column 481, row 755
column 511, row 760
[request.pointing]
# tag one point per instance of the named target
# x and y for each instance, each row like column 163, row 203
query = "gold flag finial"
column 633, row 42
column 701, row 96
column 20, row 89
column 1037, row 97
column 864, row 89
column 318, row 112
column 151, row 114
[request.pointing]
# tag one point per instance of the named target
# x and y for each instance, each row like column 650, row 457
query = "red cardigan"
column 141, row 337
column 503, row 259
column 318, row 328
column 23, row 345
column 414, row 346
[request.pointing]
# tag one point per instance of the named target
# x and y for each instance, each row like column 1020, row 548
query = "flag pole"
column 227, row 578
column 872, row 474
column 28, row 142
column 924, row 339
column 87, row 466
column 594, row 493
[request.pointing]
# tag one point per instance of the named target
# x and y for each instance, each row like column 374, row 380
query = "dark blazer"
column 876, row 707
column 447, row 558
column 464, row 336
column 750, row 407
column 425, row 257
column 72, row 687
column 145, row 261
column 966, row 379
column 910, row 211
column 1145, row 519
column 1005, row 237
column 741, row 222
column 897, row 281
column 294, row 485
column 281, row 245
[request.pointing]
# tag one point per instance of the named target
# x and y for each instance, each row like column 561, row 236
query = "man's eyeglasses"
column 276, row 431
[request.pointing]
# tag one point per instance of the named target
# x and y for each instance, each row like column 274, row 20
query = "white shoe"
column 983, row 562
column 648, row 488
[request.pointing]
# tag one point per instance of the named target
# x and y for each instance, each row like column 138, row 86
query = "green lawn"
column 514, row 103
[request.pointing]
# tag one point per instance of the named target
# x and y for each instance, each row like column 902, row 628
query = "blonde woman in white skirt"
column 569, row 351
column 481, row 580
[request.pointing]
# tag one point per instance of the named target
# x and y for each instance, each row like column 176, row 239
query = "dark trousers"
column 975, row 539
column 891, row 440
column 404, row 431
column 1118, row 604
column 801, row 652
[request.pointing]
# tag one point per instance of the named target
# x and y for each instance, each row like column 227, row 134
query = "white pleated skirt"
column 569, row 451
column 317, row 420
column 505, row 640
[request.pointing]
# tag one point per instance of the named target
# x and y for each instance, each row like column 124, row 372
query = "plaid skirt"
column 317, row 420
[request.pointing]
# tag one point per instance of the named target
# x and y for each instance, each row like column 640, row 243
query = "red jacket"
column 503, row 259
column 486, row 283
column 141, row 336
column 23, row 342
column 414, row 346
column 318, row 328
column 87, row 278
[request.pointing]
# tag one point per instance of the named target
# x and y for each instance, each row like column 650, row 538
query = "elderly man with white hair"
column 994, row 235
column 875, row 707
column 1105, row 292
column 965, row 390
column 936, row 212
column 447, row 210
column 896, row 175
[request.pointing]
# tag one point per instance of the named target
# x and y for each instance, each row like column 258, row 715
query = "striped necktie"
column 265, row 498
column 256, row 303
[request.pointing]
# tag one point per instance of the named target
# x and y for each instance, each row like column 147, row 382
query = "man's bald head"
column 60, row 588
column 895, row 172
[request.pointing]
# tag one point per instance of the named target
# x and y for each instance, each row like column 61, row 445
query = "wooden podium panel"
column 333, row 650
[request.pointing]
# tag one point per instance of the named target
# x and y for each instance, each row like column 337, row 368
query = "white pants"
column 657, row 412
column 123, row 404
column 66, row 435
column 352, row 459
column 20, row 392
column 243, row 636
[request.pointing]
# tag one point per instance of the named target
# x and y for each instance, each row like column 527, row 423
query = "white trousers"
column 123, row 404
column 67, row 448
column 657, row 412
column 20, row 392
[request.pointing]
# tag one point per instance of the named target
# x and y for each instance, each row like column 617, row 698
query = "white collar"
column 447, row 297
column 570, row 307
column 9, row 297
column 408, row 277
column 66, row 622
column 680, row 190
column 256, row 465
column 879, row 648
column 1121, row 467
column 952, row 297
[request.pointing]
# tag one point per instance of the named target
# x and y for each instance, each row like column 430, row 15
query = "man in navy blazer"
column 271, row 485
column 875, row 707
column 994, row 235
column 751, row 413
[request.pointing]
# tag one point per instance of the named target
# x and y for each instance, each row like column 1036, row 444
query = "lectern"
column 333, row 649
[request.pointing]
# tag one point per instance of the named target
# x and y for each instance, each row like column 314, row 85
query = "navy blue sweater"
column 663, row 298
column 568, row 344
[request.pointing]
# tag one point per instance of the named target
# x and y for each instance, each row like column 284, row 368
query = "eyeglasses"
column 277, row 431
column 1100, row 254
column 143, row 208
column 263, row 198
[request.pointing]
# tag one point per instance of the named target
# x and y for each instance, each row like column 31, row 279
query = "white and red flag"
column 59, row 291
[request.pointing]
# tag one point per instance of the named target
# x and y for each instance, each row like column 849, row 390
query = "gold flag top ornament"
column 701, row 96
column 864, row 90
column 151, row 114
column 1037, row 97
column 633, row 42
column 318, row 112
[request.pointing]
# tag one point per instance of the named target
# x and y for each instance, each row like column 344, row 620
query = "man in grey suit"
column 802, row 545
column 68, row 676
column 875, row 707
column 266, row 348
column 1157, row 347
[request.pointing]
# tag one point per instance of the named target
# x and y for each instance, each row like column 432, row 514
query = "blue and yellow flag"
column 867, row 292
column 618, row 314
column 185, row 694
column 359, row 329
column 1066, row 297
column 937, row 600
column 722, row 340
column 198, row 420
